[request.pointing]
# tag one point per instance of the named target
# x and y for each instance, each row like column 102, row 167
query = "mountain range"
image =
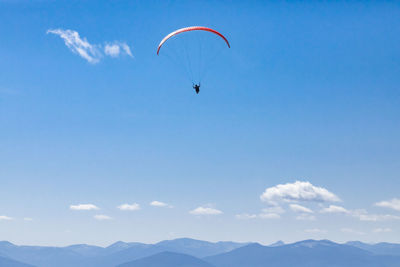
column 187, row 252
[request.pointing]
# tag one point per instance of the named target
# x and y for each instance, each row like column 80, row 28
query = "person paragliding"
column 196, row 87
column 187, row 57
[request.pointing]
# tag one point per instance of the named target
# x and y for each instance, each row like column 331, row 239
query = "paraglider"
column 185, row 55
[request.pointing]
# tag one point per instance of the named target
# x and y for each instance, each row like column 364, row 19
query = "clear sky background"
column 307, row 92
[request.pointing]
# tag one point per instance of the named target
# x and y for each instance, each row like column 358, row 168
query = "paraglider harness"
column 196, row 87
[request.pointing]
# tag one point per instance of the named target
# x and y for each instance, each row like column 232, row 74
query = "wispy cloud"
column 267, row 213
column 315, row 231
column 78, row 45
column 27, row 219
column 205, row 211
column 83, row 207
column 246, row 216
column 382, row 230
column 299, row 208
column 116, row 49
column 305, row 217
column 91, row 52
column 297, row 191
column 131, row 207
column 391, row 204
column 102, row 217
column 5, row 218
column 159, row 204
column 273, row 209
column 334, row 209
column 351, row 231
column 363, row 215
column 269, row 216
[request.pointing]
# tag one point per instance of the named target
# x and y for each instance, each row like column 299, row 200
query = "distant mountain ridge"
column 307, row 253
column 83, row 255
column 167, row 259
column 378, row 248
column 196, row 253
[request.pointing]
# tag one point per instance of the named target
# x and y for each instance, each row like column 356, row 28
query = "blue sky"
column 307, row 93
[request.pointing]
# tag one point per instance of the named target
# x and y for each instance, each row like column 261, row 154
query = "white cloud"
column 116, row 49
column 102, row 217
column 315, row 231
column 91, row 52
column 205, row 211
column 351, row 231
column 377, row 217
column 126, row 48
column 363, row 215
column 269, row 216
column 382, row 230
column 334, row 209
column 83, row 207
column 134, row 206
column 299, row 208
column 5, row 218
column 391, row 204
column 112, row 50
column 268, row 213
column 28, row 219
column 160, row 204
column 274, row 209
column 297, row 191
column 78, row 45
column 305, row 217
column 245, row 216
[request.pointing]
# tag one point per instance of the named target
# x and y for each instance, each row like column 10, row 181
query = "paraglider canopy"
column 187, row 29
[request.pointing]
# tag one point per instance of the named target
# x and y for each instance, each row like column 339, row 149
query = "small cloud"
column 160, row 204
column 269, row 216
column 5, row 218
column 351, row 231
column 363, row 215
column 391, row 204
column 28, row 219
column 116, row 49
column 382, row 230
column 305, row 217
column 274, row 209
column 245, row 216
column 315, row 231
column 134, row 206
column 297, row 191
column 334, row 209
column 112, row 50
column 299, row 208
column 205, row 211
column 102, row 217
column 84, row 207
column 265, row 214
column 126, row 48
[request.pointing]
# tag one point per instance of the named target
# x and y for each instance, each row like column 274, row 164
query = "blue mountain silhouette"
column 308, row 253
column 379, row 248
column 12, row 263
column 167, row 259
